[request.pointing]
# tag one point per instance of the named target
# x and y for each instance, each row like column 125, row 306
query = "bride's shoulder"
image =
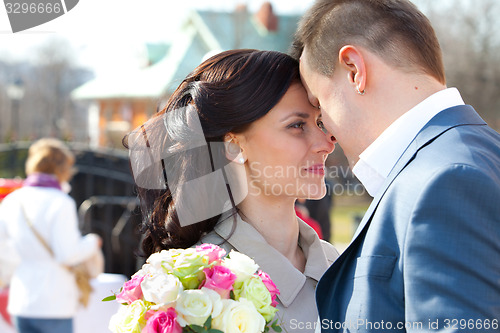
column 214, row 238
column 330, row 251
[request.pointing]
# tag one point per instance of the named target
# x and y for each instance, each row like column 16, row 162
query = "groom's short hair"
column 395, row 30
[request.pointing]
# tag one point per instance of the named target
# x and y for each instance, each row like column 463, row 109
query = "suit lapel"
column 442, row 122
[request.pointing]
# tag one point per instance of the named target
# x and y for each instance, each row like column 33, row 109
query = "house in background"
column 118, row 105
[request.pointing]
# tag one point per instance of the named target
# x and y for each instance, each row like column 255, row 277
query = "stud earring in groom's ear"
column 360, row 92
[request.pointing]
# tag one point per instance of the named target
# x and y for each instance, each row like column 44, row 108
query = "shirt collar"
column 289, row 280
column 376, row 162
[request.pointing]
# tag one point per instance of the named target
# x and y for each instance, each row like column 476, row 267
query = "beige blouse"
column 297, row 305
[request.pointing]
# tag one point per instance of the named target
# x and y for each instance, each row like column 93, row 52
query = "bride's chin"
column 315, row 194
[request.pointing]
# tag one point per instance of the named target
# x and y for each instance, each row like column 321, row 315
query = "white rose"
column 161, row 288
column 147, row 269
column 117, row 319
column 196, row 305
column 239, row 317
column 241, row 265
column 129, row 318
column 162, row 260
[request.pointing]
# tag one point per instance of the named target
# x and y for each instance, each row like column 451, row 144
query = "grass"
column 343, row 217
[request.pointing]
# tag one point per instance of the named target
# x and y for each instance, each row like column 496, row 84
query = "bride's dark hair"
column 229, row 91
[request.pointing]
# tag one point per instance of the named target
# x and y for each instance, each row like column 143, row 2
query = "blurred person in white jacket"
column 43, row 294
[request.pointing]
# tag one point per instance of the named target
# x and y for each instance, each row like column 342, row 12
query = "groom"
column 426, row 256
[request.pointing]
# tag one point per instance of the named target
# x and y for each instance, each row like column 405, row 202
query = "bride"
column 224, row 162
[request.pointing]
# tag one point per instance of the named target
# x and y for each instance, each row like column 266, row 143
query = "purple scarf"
column 42, row 180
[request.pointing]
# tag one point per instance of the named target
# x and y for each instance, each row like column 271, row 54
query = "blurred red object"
column 312, row 222
column 4, row 299
column 8, row 186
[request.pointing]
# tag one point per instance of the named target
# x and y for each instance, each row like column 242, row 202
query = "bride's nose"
column 324, row 142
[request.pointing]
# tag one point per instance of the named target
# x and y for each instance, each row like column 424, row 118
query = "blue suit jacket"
column 426, row 256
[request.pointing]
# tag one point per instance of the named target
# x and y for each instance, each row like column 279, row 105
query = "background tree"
column 45, row 108
column 467, row 32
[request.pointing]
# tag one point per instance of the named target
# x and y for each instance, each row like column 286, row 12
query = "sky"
column 108, row 34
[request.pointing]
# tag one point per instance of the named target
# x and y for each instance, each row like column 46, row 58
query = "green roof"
column 201, row 33
column 241, row 30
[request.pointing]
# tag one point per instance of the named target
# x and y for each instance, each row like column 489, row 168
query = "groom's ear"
column 351, row 59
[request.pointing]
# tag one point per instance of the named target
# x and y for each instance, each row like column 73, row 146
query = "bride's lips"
column 318, row 169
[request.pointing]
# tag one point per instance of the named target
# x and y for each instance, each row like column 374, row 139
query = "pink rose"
column 219, row 279
column 273, row 290
column 163, row 322
column 213, row 252
column 131, row 290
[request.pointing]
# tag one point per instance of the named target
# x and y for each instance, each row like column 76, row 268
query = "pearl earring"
column 241, row 160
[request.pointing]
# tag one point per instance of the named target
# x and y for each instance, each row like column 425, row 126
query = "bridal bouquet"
column 197, row 290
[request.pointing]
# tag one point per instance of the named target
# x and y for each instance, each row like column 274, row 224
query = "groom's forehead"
column 306, row 64
column 303, row 56
column 307, row 73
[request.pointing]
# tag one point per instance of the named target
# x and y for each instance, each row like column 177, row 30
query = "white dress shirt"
column 377, row 161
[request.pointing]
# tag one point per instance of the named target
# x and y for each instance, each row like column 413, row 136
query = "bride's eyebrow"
column 296, row 114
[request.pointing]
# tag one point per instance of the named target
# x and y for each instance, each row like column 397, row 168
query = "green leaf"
column 109, row 298
column 206, row 328
column 197, row 328
column 276, row 328
column 208, row 323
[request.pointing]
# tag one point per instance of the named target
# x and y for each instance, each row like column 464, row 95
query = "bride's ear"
column 233, row 150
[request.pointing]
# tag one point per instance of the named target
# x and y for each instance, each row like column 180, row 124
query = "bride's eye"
column 298, row 124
